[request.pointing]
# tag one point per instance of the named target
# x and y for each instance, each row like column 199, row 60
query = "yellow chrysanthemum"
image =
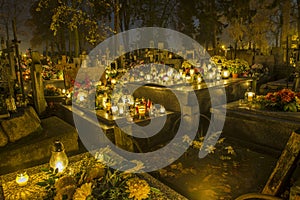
column 138, row 188
column 197, row 144
column 83, row 192
column 64, row 181
column 66, row 191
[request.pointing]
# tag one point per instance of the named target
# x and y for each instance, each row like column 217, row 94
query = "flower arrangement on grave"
column 89, row 179
column 85, row 92
column 283, row 100
column 258, row 70
column 237, row 66
column 51, row 90
column 218, row 59
column 69, row 95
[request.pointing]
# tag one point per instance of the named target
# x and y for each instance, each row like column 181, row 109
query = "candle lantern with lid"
column 59, row 160
column 249, row 95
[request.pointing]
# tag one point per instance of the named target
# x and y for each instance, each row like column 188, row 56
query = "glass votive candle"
column 114, row 110
column 251, row 96
column 142, row 110
column 121, row 108
column 22, row 179
column 162, row 109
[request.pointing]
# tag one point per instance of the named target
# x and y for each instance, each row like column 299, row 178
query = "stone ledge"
column 36, row 147
column 267, row 129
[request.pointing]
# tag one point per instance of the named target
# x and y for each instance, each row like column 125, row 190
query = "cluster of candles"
column 58, row 161
column 138, row 108
column 160, row 74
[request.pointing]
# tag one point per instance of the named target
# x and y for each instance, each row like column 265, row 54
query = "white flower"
column 186, row 139
column 210, row 149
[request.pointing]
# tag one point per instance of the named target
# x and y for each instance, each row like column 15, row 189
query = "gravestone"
column 37, row 84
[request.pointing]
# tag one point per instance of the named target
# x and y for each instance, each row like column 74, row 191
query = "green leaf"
column 155, row 190
column 65, row 197
column 51, row 181
column 43, row 184
column 45, row 169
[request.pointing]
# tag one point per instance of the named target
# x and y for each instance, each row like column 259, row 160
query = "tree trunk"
column 63, row 42
column 47, row 48
column 214, row 26
column 116, row 17
column 277, row 39
column 298, row 19
column 70, row 43
column 76, row 40
column 286, row 9
column 235, row 48
column 52, row 48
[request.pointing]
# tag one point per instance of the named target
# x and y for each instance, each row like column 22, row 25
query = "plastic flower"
column 197, row 144
column 83, row 192
column 230, row 150
column 138, row 188
column 96, row 171
column 186, row 139
column 221, row 140
column 67, row 191
column 139, row 166
column 210, row 149
column 63, row 182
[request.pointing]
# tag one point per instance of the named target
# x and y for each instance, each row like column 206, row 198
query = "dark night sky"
column 22, row 14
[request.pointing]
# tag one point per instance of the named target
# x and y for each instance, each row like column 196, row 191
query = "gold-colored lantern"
column 59, row 160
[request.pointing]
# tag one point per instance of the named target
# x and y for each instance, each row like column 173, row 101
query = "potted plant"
column 237, row 66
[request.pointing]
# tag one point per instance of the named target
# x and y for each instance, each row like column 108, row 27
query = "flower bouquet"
column 258, row 70
column 51, row 90
column 218, row 59
column 283, row 100
column 89, row 179
column 237, row 66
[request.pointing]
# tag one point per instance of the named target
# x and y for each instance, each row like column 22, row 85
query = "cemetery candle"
column 121, row 108
column 59, row 166
column 199, row 79
column 59, row 160
column 162, row 109
column 113, row 81
column 225, row 73
column 192, row 71
column 81, row 98
column 22, row 179
column 114, row 109
column 251, row 96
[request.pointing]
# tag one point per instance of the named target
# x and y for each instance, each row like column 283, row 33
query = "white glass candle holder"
column 22, row 179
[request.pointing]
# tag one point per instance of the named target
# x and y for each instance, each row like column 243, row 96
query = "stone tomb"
column 26, row 139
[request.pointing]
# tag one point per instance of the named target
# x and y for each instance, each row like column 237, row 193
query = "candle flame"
column 59, row 165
